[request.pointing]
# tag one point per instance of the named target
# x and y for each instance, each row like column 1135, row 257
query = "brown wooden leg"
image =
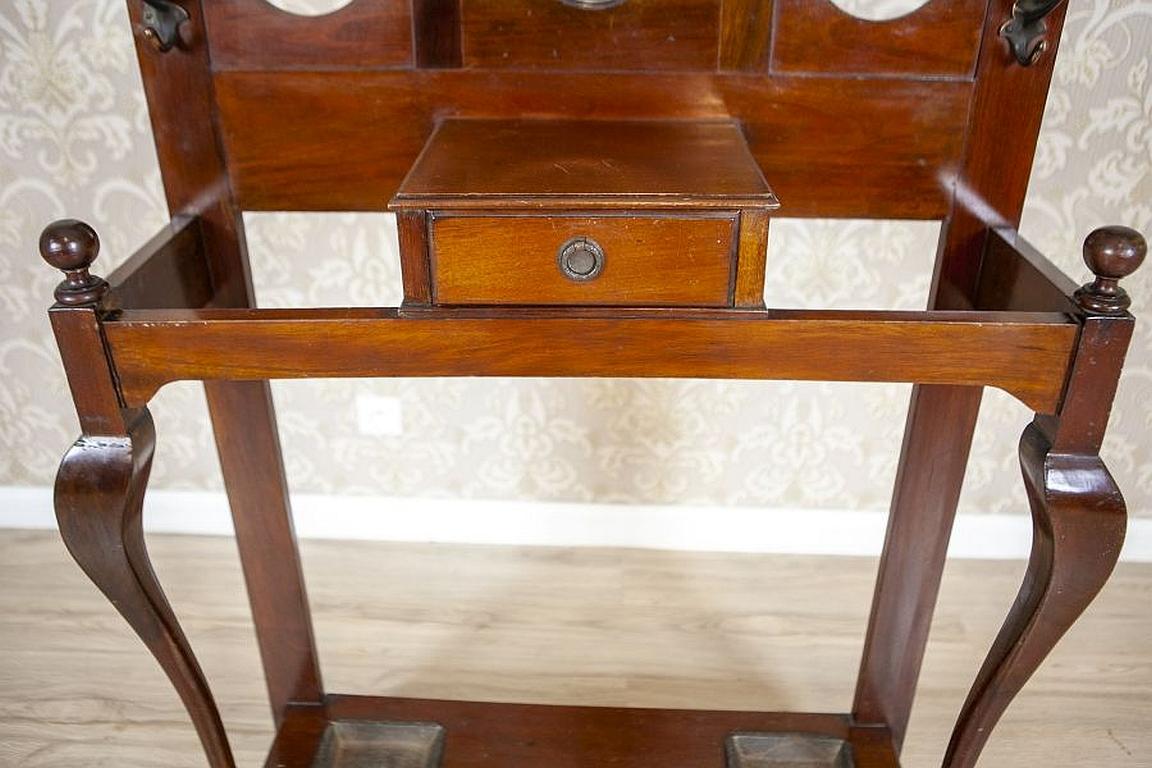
column 1078, row 528
column 99, row 498
column 249, row 447
column 937, row 440
column 182, row 104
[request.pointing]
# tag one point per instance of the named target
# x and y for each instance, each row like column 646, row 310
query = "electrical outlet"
column 379, row 415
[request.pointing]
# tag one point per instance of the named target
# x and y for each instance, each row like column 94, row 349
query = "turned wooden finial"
column 1111, row 253
column 71, row 246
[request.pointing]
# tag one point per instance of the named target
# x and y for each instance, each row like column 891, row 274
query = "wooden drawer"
column 662, row 213
column 580, row 259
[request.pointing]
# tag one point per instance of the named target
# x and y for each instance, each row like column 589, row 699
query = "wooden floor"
column 598, row 627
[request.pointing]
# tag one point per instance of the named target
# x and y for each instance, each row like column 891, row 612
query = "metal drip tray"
column 787, row 750
column 357, row 744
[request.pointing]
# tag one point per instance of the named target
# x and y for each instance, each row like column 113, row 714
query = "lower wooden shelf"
column 370, row 732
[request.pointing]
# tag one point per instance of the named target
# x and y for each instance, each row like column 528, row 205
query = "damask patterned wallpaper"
column 75, row 141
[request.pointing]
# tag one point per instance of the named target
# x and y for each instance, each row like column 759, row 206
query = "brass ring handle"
column 593, row 5
column 580, row 259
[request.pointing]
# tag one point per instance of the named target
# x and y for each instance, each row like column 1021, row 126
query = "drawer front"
column 584, row 260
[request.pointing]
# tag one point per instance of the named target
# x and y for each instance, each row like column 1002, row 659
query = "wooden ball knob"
column 71, row 246
column 1112, row 253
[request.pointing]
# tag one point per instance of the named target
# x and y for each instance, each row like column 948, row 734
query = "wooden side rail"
column 1014, row 275
column 157, row 333
column 170, row 270
column 1026, row 355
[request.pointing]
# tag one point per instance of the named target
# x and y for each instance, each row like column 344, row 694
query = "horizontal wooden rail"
column 170, row 270
column 1026, row 355
column 1015, row 275
column 493, row 735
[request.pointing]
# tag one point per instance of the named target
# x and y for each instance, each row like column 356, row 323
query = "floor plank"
column 595, row 627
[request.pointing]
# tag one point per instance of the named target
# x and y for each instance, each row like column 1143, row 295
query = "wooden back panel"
column 252, row 34
column 940, row 40
column 635, row 35
column 828, row 146
column 847, row 117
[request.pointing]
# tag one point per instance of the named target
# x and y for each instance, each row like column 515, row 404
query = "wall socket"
column 379, row 415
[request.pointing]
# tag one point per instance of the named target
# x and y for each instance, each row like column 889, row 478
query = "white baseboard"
column 473, row 521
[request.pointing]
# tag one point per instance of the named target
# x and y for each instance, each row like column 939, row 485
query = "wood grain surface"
column 636, row 35
column 745, row 34
column 941, row 421
column 648, row 261
column 580, row 627
column 254, row 34
column 623, row 164
column 355, row 134
column 1026, row 355
column 940, row 39
column 181, row 104
column 486, row 735
column 170, row 270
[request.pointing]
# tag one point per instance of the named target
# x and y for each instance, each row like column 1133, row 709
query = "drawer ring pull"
column 593, row 5
column 580, row 259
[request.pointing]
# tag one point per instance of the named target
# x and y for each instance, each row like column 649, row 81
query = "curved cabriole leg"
column 99, row 497
column 101, row 482
column 1078, row 528
column 1078, row 514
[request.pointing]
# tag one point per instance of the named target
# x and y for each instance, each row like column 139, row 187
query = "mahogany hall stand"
column 592, row 198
